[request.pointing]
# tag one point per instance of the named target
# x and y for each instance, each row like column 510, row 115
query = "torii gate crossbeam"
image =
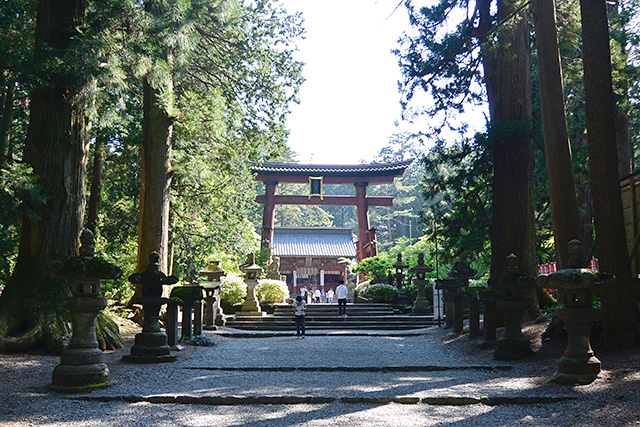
column 359, row 176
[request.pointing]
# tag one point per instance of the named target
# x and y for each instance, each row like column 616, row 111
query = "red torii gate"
column 359, row 176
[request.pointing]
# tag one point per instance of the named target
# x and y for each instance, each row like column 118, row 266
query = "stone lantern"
column 400, row 266
column 213, row 314
column 252, row 272
column 576, row 287
column 453, row 293
column 421, row 305
column 81, row 367
column 511, row 291
column 151, row 345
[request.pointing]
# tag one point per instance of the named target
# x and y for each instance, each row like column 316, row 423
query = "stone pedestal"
column 151, row 345
column 576, row 287
column 81, row 367
column 513, row 345
column 189, row 298
column 251, row 306
column 578, row 364
column 213, row 315
column 511, row 289
column 474, row 315
column 490, row 319
column 454, row 302
column 421, row 304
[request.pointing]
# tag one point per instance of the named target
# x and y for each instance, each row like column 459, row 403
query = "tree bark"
column 153, row 224
column 562, row 186
column 56, row 148
column 5, row 121
column 508, row 82
column 621, row 320
column 96, row 182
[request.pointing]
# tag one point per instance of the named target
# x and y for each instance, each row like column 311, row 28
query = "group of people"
column 318, row 296
column 300, row 305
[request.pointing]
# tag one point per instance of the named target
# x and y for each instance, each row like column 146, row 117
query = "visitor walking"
column 316, row 294
column 323, row 296
column 341, row 294
column 330, row 296
column 299, row 307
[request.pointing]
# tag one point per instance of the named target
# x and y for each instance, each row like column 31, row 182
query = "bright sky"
column 349, row 103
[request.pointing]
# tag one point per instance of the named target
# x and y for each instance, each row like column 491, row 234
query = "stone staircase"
column 369, row 316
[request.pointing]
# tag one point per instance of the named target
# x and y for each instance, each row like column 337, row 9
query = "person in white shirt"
column 299, row 306
column 341, row 294
column 316, row 295
column 330, row 296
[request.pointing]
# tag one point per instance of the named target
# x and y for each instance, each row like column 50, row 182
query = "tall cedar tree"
column 621, row 321
column 448, row 66
column 562, row 185
column 56, row 148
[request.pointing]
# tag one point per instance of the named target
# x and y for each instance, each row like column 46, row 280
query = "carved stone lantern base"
column 578, row 365
column 513, row 345
column 81, row 367
column 150, row 347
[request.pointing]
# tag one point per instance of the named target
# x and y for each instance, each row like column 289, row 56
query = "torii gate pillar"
column 268, row 219
column 366, row 235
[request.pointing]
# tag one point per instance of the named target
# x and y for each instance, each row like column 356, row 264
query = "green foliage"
column 19, row 194
column 378, row 292
column 271, row 291
column 376, row 269
column 233, row 290
column 200, row 341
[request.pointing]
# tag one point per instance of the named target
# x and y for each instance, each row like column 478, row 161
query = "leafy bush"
column 233, row 290
column 376, row 268
column 271, row 291
column 378, row 292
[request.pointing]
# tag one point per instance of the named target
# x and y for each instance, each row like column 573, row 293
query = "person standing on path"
column 341, row 294
column 299, row 307
column 330, row 296
column 316, row 295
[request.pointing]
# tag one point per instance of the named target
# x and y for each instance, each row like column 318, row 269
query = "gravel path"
column 429, row 378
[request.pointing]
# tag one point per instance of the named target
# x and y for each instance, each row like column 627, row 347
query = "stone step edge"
column 265, row 333
column 292, row 400
column 432, row 368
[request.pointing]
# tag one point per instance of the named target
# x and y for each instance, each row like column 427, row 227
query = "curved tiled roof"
column 313, row 242
column 295, row 168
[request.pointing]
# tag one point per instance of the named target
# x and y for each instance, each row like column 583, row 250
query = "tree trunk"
column 509, row 93
column 96, row 182
column 153, row 225
column 5, row 121
column 621, row 321
column 562, row 186
column 56, row 148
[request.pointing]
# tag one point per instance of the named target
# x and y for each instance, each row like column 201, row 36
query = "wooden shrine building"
column 316, row 176
column 310, row 256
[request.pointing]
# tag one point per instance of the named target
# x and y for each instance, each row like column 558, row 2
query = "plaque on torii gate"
column 359, row 176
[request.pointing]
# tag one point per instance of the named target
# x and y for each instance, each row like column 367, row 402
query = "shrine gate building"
column 310, row 256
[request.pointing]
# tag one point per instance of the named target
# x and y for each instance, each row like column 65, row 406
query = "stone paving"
column 426, row 377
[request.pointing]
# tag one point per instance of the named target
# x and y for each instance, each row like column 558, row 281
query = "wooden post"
column 363, row 217
column 269, row 211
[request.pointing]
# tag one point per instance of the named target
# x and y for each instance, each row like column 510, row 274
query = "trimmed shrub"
column 271, row 291
column 379, row 292
column 233, row 290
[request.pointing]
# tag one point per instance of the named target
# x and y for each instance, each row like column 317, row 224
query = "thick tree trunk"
column 153, row 225
column 621, row 321
column 509, row 91
column 562, row 186
column 56, row 148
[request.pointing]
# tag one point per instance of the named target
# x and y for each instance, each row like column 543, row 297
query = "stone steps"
column 325, row 316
